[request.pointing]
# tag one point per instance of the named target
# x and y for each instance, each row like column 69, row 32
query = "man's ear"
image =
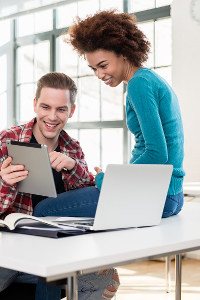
column 34, row 104
column 72, row 110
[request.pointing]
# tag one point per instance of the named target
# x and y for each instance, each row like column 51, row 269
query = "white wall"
column 186, row 81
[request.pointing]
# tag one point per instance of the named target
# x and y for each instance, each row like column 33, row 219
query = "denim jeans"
column 173, row 205
column 90, row 286
column 74, row 203
column 83, row 202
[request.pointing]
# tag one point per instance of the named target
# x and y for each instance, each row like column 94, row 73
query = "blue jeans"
column 75, row 203
column 83, row 202
column 173, row 205
column 90, row 286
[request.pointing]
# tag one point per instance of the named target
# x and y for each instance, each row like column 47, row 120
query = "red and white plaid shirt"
column 13, row 201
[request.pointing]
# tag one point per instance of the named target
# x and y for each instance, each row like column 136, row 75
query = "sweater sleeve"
column 99, row 180
column 143, row 100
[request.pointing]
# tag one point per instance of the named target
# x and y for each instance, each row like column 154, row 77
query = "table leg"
column 168, row 273
column 72, row 288
column 178, row 263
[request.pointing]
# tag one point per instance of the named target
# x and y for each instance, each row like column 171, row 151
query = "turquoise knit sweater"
column 153, row 116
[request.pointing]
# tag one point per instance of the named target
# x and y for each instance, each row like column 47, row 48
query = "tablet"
column 35, row 158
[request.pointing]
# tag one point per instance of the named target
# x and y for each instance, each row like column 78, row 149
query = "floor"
column 146, row 280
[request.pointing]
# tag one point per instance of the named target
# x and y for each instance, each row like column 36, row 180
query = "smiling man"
column 54, row 104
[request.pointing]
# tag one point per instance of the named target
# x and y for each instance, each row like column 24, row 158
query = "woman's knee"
column 173, row 205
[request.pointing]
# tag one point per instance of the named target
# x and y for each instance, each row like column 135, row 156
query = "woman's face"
column 107, row 66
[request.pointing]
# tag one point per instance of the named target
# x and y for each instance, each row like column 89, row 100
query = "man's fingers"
column 53, row 156
column 13, row 168
column 13, row 181
column 58, row 165
column 6, row 162
column 15, row 175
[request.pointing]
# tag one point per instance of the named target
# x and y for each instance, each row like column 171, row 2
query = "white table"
column 56, row 259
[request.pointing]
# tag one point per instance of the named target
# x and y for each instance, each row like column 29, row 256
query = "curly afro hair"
column 111, row 31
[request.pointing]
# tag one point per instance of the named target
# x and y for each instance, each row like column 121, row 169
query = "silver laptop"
column 131, row 196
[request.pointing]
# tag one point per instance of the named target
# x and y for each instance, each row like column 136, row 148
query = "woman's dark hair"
column 57, row 80
column 111, row 31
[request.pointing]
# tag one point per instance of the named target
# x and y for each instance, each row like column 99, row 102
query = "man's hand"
column 60, row 161
column 12, row 174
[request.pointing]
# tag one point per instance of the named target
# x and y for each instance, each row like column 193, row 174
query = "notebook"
column 131, row 196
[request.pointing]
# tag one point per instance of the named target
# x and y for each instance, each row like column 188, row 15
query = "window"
column 5, row 36
column 99, row 120
column 33, row 61
column 97, row 104
column 5, row 32
column 34, row 23
column 155, row 21
column 3, row 92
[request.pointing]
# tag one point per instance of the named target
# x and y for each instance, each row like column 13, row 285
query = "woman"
column 115, row 50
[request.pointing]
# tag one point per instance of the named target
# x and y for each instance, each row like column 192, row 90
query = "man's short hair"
column 57, row 80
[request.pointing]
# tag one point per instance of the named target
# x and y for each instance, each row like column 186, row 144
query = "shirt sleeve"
column 8, row 193
column 79, row 176
column 143, row 100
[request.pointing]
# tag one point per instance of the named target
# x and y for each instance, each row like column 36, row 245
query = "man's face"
column 53, row 108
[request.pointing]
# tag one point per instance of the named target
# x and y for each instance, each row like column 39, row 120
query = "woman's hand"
column 98, row 170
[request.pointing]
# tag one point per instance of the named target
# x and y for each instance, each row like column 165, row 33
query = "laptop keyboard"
column 78, row 222
column 88, row 223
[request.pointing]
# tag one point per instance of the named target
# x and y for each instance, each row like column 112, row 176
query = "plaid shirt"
column 13, row 201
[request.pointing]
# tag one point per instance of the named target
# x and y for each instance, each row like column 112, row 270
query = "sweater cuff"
column 99, row 180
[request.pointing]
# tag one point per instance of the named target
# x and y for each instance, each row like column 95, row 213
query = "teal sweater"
column 153, row 116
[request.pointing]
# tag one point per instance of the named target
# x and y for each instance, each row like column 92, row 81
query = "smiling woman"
column 116, row 49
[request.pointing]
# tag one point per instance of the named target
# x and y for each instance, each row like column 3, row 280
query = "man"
column 54, row 104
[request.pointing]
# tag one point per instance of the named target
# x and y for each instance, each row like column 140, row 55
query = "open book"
column 27, row 224
column 18, row 219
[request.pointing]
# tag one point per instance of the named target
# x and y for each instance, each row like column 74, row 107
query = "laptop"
column 131, row 196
